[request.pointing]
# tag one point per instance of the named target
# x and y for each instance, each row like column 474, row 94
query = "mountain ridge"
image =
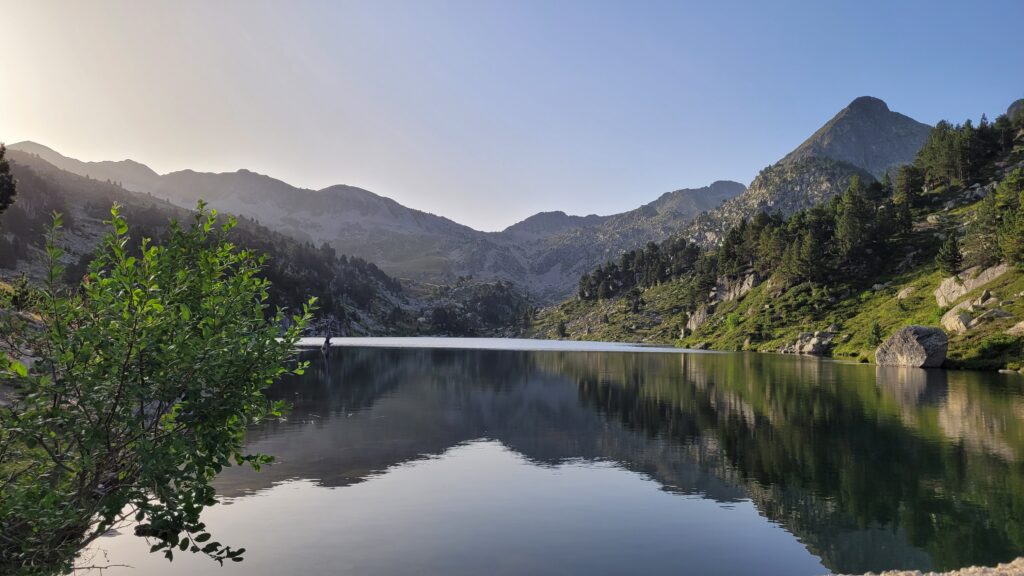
column 542, row 254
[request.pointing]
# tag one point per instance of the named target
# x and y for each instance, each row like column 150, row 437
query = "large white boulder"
column 914, row 346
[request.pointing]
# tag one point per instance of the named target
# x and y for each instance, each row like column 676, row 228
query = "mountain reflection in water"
column 490, row 461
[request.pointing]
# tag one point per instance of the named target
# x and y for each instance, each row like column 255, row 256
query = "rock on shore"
column 914, row 346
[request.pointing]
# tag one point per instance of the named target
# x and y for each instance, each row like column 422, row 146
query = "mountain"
column 868, row 135
column 865, row 139
column 545, row 224
column 842, row 278
column 353, row 294
column 543, row 255
column 131, row 174
column 566, row 256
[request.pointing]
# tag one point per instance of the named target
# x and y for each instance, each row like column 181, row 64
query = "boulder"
column 905, row 293
column 1017, row 329
column 956, row 321
column 951, row 289
column 811, row 344
column 954, row 314
column 993, row 314
column 914, row 346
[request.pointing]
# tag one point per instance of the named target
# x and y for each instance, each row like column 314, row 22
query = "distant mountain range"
column 544, row 254
column 359, row 297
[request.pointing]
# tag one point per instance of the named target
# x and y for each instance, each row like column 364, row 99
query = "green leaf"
column 19, row 368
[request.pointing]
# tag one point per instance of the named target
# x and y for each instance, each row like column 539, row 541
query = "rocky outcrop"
column 811, row 344
column 914, row 346
column 962, row 317
column 785, row 188
column 953, row 288
column 729, row 289
column 1016, row 108
column 696, row 318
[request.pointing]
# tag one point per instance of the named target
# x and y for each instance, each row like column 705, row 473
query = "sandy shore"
column 1015, row 568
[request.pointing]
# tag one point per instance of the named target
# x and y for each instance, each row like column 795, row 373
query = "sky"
column 488, row 111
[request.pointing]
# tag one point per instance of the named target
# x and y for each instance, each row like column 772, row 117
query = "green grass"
column 769, row 317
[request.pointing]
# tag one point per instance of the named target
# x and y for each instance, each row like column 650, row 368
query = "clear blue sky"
column 486, row 111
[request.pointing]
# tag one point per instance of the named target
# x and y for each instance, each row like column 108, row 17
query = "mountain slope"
column 543, row 255
column 865, row 134
column 356, row 295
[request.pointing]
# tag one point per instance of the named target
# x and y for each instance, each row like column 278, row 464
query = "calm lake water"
column 603, row 459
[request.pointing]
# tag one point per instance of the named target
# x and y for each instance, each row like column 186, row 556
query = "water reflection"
column 868, row 468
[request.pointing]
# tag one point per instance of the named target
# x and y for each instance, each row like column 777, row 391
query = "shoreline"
column 1012, row 568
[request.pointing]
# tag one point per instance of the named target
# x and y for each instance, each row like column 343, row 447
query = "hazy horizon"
column 487, row 112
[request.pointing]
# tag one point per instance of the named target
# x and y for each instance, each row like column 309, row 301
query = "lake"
column 427, row 457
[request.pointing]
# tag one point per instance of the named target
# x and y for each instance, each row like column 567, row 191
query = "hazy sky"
column 487, row 112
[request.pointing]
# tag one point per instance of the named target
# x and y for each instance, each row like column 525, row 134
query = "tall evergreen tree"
column 982, row 241
column 1010, row 197
column 950, row 259
column 854, row 221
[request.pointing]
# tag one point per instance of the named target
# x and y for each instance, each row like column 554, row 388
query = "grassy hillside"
column 780, row 315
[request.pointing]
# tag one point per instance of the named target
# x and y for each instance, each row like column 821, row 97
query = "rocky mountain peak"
column 867, row 135
column 868, row 104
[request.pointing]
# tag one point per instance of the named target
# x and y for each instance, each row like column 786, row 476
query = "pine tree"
column 950, row 259
column 7, row 184
column 908, row 185
column 875, row 337
column 854, row 222
column 982, row 240
column 1011, row 240
column 1010, row 198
